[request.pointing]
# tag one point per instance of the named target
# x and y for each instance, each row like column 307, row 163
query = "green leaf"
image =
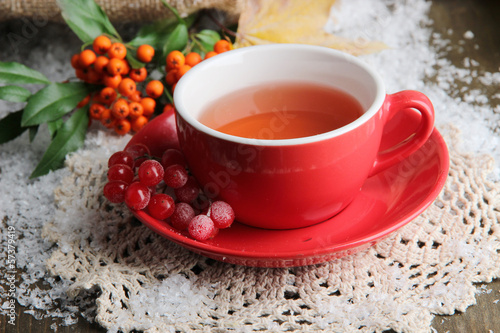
column 53, row 102
column 54, row 126
column 68, row 139
column 134, row 62
column 33, row 130
column 207, row 39
column 14, row 93
column 86, row 19
column 177, row 39
column 10, row 126
column 155, row 34
column 16, row 73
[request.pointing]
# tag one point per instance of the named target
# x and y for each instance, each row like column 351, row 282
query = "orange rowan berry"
column 182, row 70
column 148, row 106
column 210, row 54
column 81, row 74
column 154, row 88
column 175, row 59
column 118, row 51
column 83, row 102
column 96, row 110
column 135, row 110
column 127, row 87
column 171, row 77
column 145, row 53
column 138, row 74
column 116, row 66
column 75, row 61
column 96, row 98
column 86, row 58
column 108, row 95
column 222, row 46
column 100, row 64
column 135, row 96
column 101, row 44
column 126, row 67
column 120, row 109
column 193, row 59
column 168, row 108
column 112, row 81
column 107, row 118
column 93, row 76
column 122, row 126
column 139, row 123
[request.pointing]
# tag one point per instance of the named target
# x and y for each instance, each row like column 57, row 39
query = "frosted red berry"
column 182, row 215
column 121, row 157
column 222, row 214
column 121, row 172
column 201, row 227
column 175, row 176
column 114, row 191
column 150, row 173
column 140, row 153
column 161, row 206
column 188, row 192
column 137, row 196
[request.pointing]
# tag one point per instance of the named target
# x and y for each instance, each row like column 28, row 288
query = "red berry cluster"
column 142, row 182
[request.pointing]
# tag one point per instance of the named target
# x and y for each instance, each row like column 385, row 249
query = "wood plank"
column 481, row 317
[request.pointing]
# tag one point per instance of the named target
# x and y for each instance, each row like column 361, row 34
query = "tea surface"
column 282, row 110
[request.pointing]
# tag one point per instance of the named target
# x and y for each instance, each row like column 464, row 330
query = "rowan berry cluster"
column 178, row 64
column 120, row 104
column 166, row 190
column 129, row 98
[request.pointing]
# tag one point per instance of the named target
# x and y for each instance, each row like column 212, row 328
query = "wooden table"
column 480, row 17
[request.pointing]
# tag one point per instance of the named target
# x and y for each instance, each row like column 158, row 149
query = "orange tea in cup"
column 282, row 110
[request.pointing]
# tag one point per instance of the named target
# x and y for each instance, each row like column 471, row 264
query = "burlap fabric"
column 119, row 11
column 144, row 282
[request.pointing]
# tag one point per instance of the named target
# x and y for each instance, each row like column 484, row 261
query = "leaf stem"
column 169, row 95
column 174, row 11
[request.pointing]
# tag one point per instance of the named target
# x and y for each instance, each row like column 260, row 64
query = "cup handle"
column 393, row 104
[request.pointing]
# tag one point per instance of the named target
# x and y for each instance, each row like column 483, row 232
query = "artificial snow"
column 468, row 34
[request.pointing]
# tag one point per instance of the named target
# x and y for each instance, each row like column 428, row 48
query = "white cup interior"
column 220, row 75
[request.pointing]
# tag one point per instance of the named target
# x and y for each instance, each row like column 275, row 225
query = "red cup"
column 293, row 183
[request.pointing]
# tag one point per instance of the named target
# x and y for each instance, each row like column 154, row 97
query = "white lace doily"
column 144, row 282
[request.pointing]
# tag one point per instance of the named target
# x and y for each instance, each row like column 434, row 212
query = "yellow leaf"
column 294, row 21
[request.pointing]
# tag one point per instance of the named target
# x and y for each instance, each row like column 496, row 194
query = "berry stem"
column 220, row 25
column 197, row 42
column 85, row 45
column 191, row 42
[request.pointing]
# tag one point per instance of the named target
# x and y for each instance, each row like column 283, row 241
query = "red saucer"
column 387, row 201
